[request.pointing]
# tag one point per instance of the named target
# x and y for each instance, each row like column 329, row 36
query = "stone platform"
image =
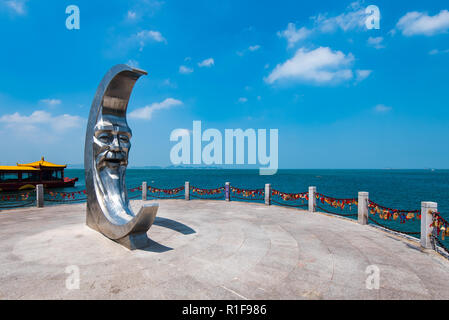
column 213, row 250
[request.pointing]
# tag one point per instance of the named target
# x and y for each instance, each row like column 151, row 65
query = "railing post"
column 312, row 199
column 144, row 191
column 268, row 194
column 228, row 191
column 187, row 190
column 40, row 196
column 362, row 207
column 426, row 221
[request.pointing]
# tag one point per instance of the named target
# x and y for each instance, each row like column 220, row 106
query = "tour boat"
column 27, row 176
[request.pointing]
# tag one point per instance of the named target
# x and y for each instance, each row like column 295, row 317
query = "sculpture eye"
column 105, row 138
column 124, row 139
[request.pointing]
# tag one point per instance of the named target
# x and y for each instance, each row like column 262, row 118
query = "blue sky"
column 341, row 95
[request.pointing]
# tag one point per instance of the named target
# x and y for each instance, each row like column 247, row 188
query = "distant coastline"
column 81, row 166
column 190, row 167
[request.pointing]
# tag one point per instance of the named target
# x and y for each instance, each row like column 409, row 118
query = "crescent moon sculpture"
column 106, row 150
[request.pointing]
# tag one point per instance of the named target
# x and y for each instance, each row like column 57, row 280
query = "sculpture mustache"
column 113, row 159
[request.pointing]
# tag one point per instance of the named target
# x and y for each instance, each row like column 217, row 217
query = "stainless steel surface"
column 106, row 150
column 40, row 195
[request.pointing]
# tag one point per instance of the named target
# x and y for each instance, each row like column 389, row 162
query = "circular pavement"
column 213, row 250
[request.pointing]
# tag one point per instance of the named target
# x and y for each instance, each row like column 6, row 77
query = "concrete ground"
column 213, row 250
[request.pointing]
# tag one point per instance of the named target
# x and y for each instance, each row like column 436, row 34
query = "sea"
column 398, row 189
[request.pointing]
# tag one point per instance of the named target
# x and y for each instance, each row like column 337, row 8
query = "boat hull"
column 27, row 185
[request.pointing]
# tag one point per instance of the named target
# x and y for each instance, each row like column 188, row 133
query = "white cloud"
column 63, row 133
column 206, row 63
column 242, row 100
column 151, row 34
column 51, row 102
column 169, row 83
column 353, row 18
column 131, row 15
column 39, row 120
column 376, row 42
column 380, row 108
column 185, row 70
column 146, row 112
column 362, row 74
column 133, row 63
column 254, row 48
column 121, row 44
column 142, row 9
column 420, row 23
column 436, row 51
column 17, row 7
column 297, row 97
column 144, row 36
column 294, row 35
column 249, row 29
column 320, row 66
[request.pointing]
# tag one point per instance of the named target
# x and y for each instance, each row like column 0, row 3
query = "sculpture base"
column 135, row 241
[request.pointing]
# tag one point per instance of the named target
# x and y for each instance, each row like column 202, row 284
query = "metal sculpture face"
column 108, row 141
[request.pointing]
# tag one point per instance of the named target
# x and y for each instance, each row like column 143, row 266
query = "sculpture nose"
column 115, row 145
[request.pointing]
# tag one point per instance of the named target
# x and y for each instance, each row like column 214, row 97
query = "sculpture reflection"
column 108, row 141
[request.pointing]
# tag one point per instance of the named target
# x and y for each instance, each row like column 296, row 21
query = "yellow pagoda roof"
column 17, row 168
column 42, row 163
